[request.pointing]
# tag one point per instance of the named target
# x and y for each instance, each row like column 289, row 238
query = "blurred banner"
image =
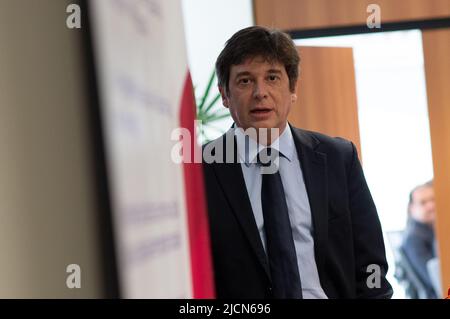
column 159, row 213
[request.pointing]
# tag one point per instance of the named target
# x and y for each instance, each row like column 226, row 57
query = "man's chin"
column 263, row 131
column 263, row 124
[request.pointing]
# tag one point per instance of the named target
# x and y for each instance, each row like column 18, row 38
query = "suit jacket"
column 347, row 232
column 419, row 247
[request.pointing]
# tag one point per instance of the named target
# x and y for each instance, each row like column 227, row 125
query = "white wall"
column 393, row 116
column 208, row 25
column 393, row 121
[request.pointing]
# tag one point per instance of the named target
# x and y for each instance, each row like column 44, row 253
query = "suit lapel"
column 314, row 168
column 231, row 179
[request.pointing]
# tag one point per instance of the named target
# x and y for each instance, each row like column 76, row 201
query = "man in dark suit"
column 419, row 244
column 309, row 227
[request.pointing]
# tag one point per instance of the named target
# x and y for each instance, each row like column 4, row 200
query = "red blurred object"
column 201, row 260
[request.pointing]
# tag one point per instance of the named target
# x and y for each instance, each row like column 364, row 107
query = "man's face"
column 259, row 94
column 423, row 208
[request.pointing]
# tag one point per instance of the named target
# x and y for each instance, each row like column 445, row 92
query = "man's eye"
column 273, row 78
column 244, row 81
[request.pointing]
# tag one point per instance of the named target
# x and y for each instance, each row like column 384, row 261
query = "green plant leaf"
column 206, row 113
column 208, row 88
column 212, row 103
column 216, row 116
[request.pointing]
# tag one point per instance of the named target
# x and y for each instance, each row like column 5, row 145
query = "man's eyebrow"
column 243, row 73
column 246, row 73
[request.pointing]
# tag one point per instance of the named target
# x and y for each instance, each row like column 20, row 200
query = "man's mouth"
column 261, row 111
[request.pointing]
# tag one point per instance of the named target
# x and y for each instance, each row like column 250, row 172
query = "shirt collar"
column 248, row 151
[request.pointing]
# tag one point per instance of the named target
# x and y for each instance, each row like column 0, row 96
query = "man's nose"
column 260, row 90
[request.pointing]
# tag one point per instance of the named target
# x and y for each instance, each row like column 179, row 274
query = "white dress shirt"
column 296, row 200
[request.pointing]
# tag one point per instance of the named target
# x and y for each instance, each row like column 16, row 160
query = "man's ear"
column 225, row 100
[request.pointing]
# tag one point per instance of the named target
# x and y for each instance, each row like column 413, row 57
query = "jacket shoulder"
column 325, row 143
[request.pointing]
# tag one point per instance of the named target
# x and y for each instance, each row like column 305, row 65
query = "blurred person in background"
column 419, row 243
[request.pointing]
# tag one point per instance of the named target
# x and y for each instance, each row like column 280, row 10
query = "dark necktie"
column 279, row 242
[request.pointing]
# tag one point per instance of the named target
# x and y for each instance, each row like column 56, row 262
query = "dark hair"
column 271, row 44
